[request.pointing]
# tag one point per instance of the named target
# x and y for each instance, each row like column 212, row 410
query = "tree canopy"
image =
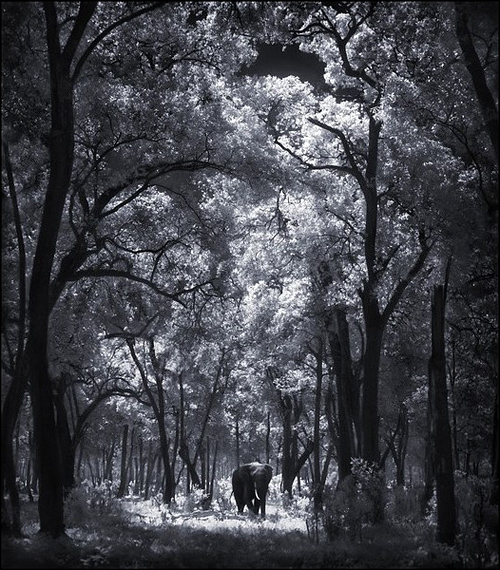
column 244, row 231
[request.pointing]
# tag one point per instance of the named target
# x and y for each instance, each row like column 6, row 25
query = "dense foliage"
column 226, row 231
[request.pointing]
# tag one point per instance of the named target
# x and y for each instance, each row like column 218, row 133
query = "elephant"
column 250, row 484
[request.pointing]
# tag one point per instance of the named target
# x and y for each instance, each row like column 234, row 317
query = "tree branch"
column 106, row 32
column 353, row 166
column 126, row 275
column 85, row 12
column 403, row 283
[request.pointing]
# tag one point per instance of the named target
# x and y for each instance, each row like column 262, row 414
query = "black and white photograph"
column 249, row 285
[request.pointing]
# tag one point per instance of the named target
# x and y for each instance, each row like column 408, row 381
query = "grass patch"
column 134, row 534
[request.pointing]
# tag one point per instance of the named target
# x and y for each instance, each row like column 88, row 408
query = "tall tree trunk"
column 65, row 442
column 397, row 445
column 149, row 470
column 290, row 407
column 453, row 377
column 63, row 73
column 16, row 390
column 193, row 478
column 350, row 386
column 237, row 442
column 371, row 363
column 441, row 436
column 287, row 471
column 123, row 469
column 318, row 491
column 473, row 63
column 493, row 498
column 212, row 477
column 130, row 469
column 268, row 437
column 61, row 147
column 207, row 464
column 139, row 470
column 343, row 439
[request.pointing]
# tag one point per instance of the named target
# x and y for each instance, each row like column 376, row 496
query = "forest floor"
column 138, row 534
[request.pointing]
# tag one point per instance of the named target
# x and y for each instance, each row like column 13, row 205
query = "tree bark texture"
column 318, row 491
column 440, row 425
column 493, row 498
column 15, row 392
column 476, row 71
column 374, row 329
column 61, row 153
column 123, row 469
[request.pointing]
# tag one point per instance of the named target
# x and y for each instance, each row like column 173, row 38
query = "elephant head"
column 250, row 485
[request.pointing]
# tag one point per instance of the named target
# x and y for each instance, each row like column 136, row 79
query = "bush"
column 76, row 508
column 357, row 501
column 404, row 504
column 477, row 520
column 87, row 500
column 196, row 500
column 225, row 489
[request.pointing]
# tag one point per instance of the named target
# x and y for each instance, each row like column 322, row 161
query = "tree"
column 219, row 253
column 85, row 190
column 439, row 423
column 477, row 72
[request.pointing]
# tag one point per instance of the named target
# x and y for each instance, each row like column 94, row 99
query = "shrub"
column 87, row 500
column 476, row 539
column 196, row 500
column 357, row 501
column 225, row 490
column 76, row 508
column 404, row 504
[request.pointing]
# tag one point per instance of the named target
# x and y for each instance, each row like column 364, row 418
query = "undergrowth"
column 104, row 532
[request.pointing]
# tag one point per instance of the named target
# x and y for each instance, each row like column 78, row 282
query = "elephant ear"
column 269, row 471
column 259, row 469
column 245, row 473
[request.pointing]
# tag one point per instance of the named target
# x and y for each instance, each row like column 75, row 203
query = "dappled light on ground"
column 210, row 520
column 132, row 533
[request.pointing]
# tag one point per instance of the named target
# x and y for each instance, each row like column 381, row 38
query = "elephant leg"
column 240, row 501
column 239, row 493
column 263, row 507
column 249, row 498
column 257, row 506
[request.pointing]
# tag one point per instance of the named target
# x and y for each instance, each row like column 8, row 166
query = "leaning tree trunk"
column 477, row 73
column 15, row 393
column 61, row 154
column 50, row 504
column 440, row 425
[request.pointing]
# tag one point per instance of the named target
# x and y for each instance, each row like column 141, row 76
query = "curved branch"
column 353, row 166
column 80, row 423
column 106, row 32
column 85, row 12
column 126, row 275
column 403, row 284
